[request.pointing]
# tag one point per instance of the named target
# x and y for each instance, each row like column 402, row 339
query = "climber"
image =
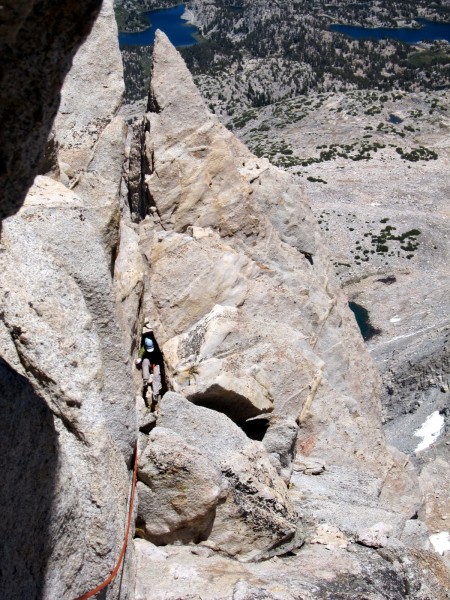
column 151, row 371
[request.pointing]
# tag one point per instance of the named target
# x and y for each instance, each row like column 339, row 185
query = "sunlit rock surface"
column 240, row 282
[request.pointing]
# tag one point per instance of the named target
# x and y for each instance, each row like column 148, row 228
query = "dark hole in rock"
column 255, row 428
column 389, row 280
column 368, row 331
column 308, row 257
column 235, row 406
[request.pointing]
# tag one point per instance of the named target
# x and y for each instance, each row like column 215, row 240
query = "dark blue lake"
column 429, row 31
column 169, row 20
column 362, row 318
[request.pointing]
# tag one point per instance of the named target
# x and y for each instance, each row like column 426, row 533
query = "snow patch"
column 430, row 430
column 395, row 319
column 441, row 542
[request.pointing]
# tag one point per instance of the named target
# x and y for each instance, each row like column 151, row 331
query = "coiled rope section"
column 125, row 539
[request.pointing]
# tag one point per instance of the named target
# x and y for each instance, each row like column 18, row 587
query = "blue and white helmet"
column 149, row 345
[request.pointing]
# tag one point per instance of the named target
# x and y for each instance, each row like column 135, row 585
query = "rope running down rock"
column 125, row 540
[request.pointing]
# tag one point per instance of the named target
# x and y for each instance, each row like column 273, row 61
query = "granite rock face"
column 68, row 411
column 232, row 271
column 55, row 340
column 88, row 136
column 54, row 223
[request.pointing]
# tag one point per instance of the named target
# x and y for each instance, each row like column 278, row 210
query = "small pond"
column 179, row 31
column 362, row 318
column 396, row 120
column 428, row 31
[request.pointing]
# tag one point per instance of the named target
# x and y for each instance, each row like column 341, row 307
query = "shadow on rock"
column 28, row 463
column 39, row 40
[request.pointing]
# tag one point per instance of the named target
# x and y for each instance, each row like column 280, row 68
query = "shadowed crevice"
column 255, row 428
column 235, row 406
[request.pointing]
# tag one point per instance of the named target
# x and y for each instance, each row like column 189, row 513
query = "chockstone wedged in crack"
column 179, row 488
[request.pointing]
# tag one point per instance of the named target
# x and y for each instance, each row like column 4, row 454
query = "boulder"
column 179, row 488
column 375, row 536
column 211, row 432
column 257, row 514
column 227, row 387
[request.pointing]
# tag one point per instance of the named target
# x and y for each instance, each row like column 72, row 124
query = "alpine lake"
column 170, row 21
column 427, row 32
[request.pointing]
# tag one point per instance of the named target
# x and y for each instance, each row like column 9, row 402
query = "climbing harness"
column 125, row 540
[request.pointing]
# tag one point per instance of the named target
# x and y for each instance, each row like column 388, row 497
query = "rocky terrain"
column 376, row 169
column 388, row 235
column 266, row 472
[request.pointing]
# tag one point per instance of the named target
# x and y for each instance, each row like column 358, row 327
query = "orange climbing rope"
column 125, row 540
